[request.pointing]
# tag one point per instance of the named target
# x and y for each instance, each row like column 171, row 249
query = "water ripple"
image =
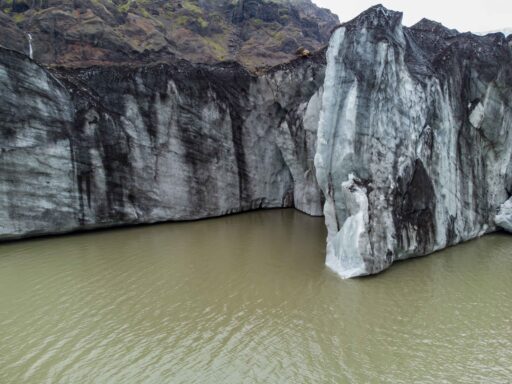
column 247, row 299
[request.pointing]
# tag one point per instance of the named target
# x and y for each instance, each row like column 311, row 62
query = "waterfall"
column 30, row 50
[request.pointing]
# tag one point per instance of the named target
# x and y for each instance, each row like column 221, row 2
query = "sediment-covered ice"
column 415, row 139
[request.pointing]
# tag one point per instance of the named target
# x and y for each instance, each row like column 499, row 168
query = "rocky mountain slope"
column 415, row 139
column 505, row 31
column 255, row 33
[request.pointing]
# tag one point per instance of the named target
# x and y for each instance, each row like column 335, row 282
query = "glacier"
column 414, row 142
column 400, row 137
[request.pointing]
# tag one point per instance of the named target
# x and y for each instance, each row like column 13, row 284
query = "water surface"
column 247, row 299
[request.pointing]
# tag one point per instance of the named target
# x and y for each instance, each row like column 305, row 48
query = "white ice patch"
column 477, row 116
column 30, row 49
column 504, row 218
column 348, row 248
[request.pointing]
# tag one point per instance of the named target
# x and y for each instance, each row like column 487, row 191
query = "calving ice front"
column 415, row 139
column 412, row 152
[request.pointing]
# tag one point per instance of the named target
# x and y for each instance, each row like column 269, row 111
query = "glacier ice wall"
column 415, row 139
column 107, row 146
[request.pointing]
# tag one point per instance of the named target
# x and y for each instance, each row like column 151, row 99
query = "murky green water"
column 247, row 299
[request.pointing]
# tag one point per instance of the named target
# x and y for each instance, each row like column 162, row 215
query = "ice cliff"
column 415, row 139
column 107, row 146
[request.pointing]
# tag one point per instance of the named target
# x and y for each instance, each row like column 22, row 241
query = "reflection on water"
column 248, row 299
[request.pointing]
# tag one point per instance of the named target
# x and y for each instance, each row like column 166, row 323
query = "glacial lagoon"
column 248, row 299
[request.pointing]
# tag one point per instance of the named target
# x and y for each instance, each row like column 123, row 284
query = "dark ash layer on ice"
column 414, row 144
column 109, row 146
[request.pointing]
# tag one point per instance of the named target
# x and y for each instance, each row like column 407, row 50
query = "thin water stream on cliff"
column 247, row 299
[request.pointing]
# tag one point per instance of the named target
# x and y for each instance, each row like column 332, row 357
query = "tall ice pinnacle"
column 414, row 140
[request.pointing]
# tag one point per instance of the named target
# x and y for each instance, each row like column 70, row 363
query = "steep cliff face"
column 119, row 145
column 37, row 187
column 415, row 139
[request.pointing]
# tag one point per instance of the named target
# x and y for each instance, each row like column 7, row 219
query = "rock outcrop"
column 82, row 33
column 117, row 145
column 415, row 140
